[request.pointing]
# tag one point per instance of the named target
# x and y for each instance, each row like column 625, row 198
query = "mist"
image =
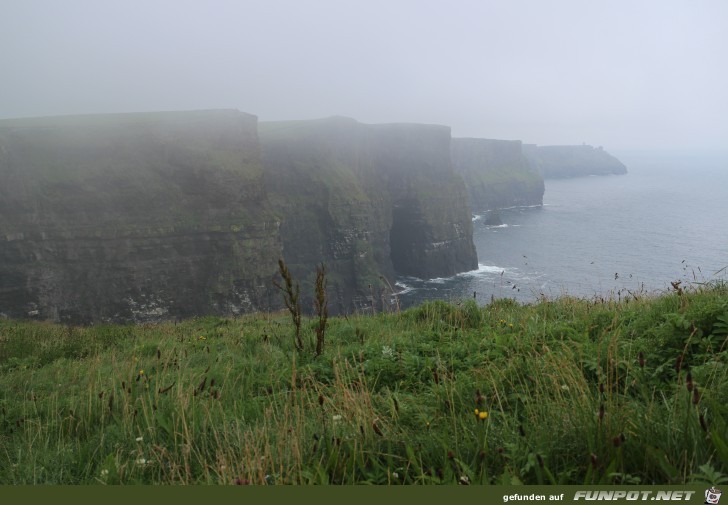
column 625, row 75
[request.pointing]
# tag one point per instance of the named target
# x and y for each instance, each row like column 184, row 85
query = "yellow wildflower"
column 483, row 415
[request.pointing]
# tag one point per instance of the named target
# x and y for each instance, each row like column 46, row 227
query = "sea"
column 664, row 222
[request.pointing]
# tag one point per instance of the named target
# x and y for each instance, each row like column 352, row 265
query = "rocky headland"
column 572, row 161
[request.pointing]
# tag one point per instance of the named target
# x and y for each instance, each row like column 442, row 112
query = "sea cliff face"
column 497, row 173
column 572, row 161
column 145, row 217
column 134, row 217
column 369, row 201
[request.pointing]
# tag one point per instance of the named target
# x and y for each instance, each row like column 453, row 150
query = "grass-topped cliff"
column 563, row 391
column 134, row 217
column 152, row 216
column 497, row 173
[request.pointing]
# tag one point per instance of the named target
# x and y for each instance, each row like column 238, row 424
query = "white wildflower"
column 104, row 473
column 337, row 418
column 141, row 461
column 387, row 351
column 139, row 439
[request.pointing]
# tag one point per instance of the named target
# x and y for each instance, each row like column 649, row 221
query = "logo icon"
column 712, row 495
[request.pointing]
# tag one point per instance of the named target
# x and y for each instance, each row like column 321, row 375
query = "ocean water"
column 665, row 221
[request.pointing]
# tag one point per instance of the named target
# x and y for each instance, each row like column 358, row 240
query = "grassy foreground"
column 566, row 391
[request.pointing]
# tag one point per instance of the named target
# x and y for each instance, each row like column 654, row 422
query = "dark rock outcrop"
column 572, row 161
column 496, row 173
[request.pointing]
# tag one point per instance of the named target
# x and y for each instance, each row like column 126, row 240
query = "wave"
column 496, row 226
column 404, row 288
column 477, row 217
column 484, row 269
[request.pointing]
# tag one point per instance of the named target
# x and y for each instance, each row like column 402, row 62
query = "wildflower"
column 141, row 372
column 387, row 351
column 464, row 480
column 104, row 473
column 201, row 337
column 337, row 418
column 483, row 415
column 141, row 461
column 477, row 412
column 139, row 439
column 564, row 387
column 395, row 475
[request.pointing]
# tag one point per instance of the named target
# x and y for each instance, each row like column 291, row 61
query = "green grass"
column 576, row 391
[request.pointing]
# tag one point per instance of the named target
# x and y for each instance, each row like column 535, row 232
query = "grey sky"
column 618, row 73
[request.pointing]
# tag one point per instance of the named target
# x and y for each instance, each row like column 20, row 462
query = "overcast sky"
column 623, row 74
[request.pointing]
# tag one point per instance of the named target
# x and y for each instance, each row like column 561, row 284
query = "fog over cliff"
column 622, row 74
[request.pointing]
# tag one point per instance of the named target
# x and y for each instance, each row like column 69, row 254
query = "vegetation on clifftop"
column 562, row 391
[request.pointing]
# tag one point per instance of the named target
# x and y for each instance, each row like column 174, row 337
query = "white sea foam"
column 404, row 288
column 484, row 269
column 496, row 226
column 476, row 217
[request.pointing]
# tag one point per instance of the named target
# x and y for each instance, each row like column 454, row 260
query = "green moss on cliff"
column 496, row 173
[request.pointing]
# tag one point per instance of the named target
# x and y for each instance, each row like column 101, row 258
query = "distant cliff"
column 496, row 173
column 144, row 217
column 572, row 161
column 368, row 200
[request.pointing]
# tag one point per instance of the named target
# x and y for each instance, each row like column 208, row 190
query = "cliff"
column 497, row 173
column 134, row 217
column 145, row 217
column 572, row 161
column 368, row 200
